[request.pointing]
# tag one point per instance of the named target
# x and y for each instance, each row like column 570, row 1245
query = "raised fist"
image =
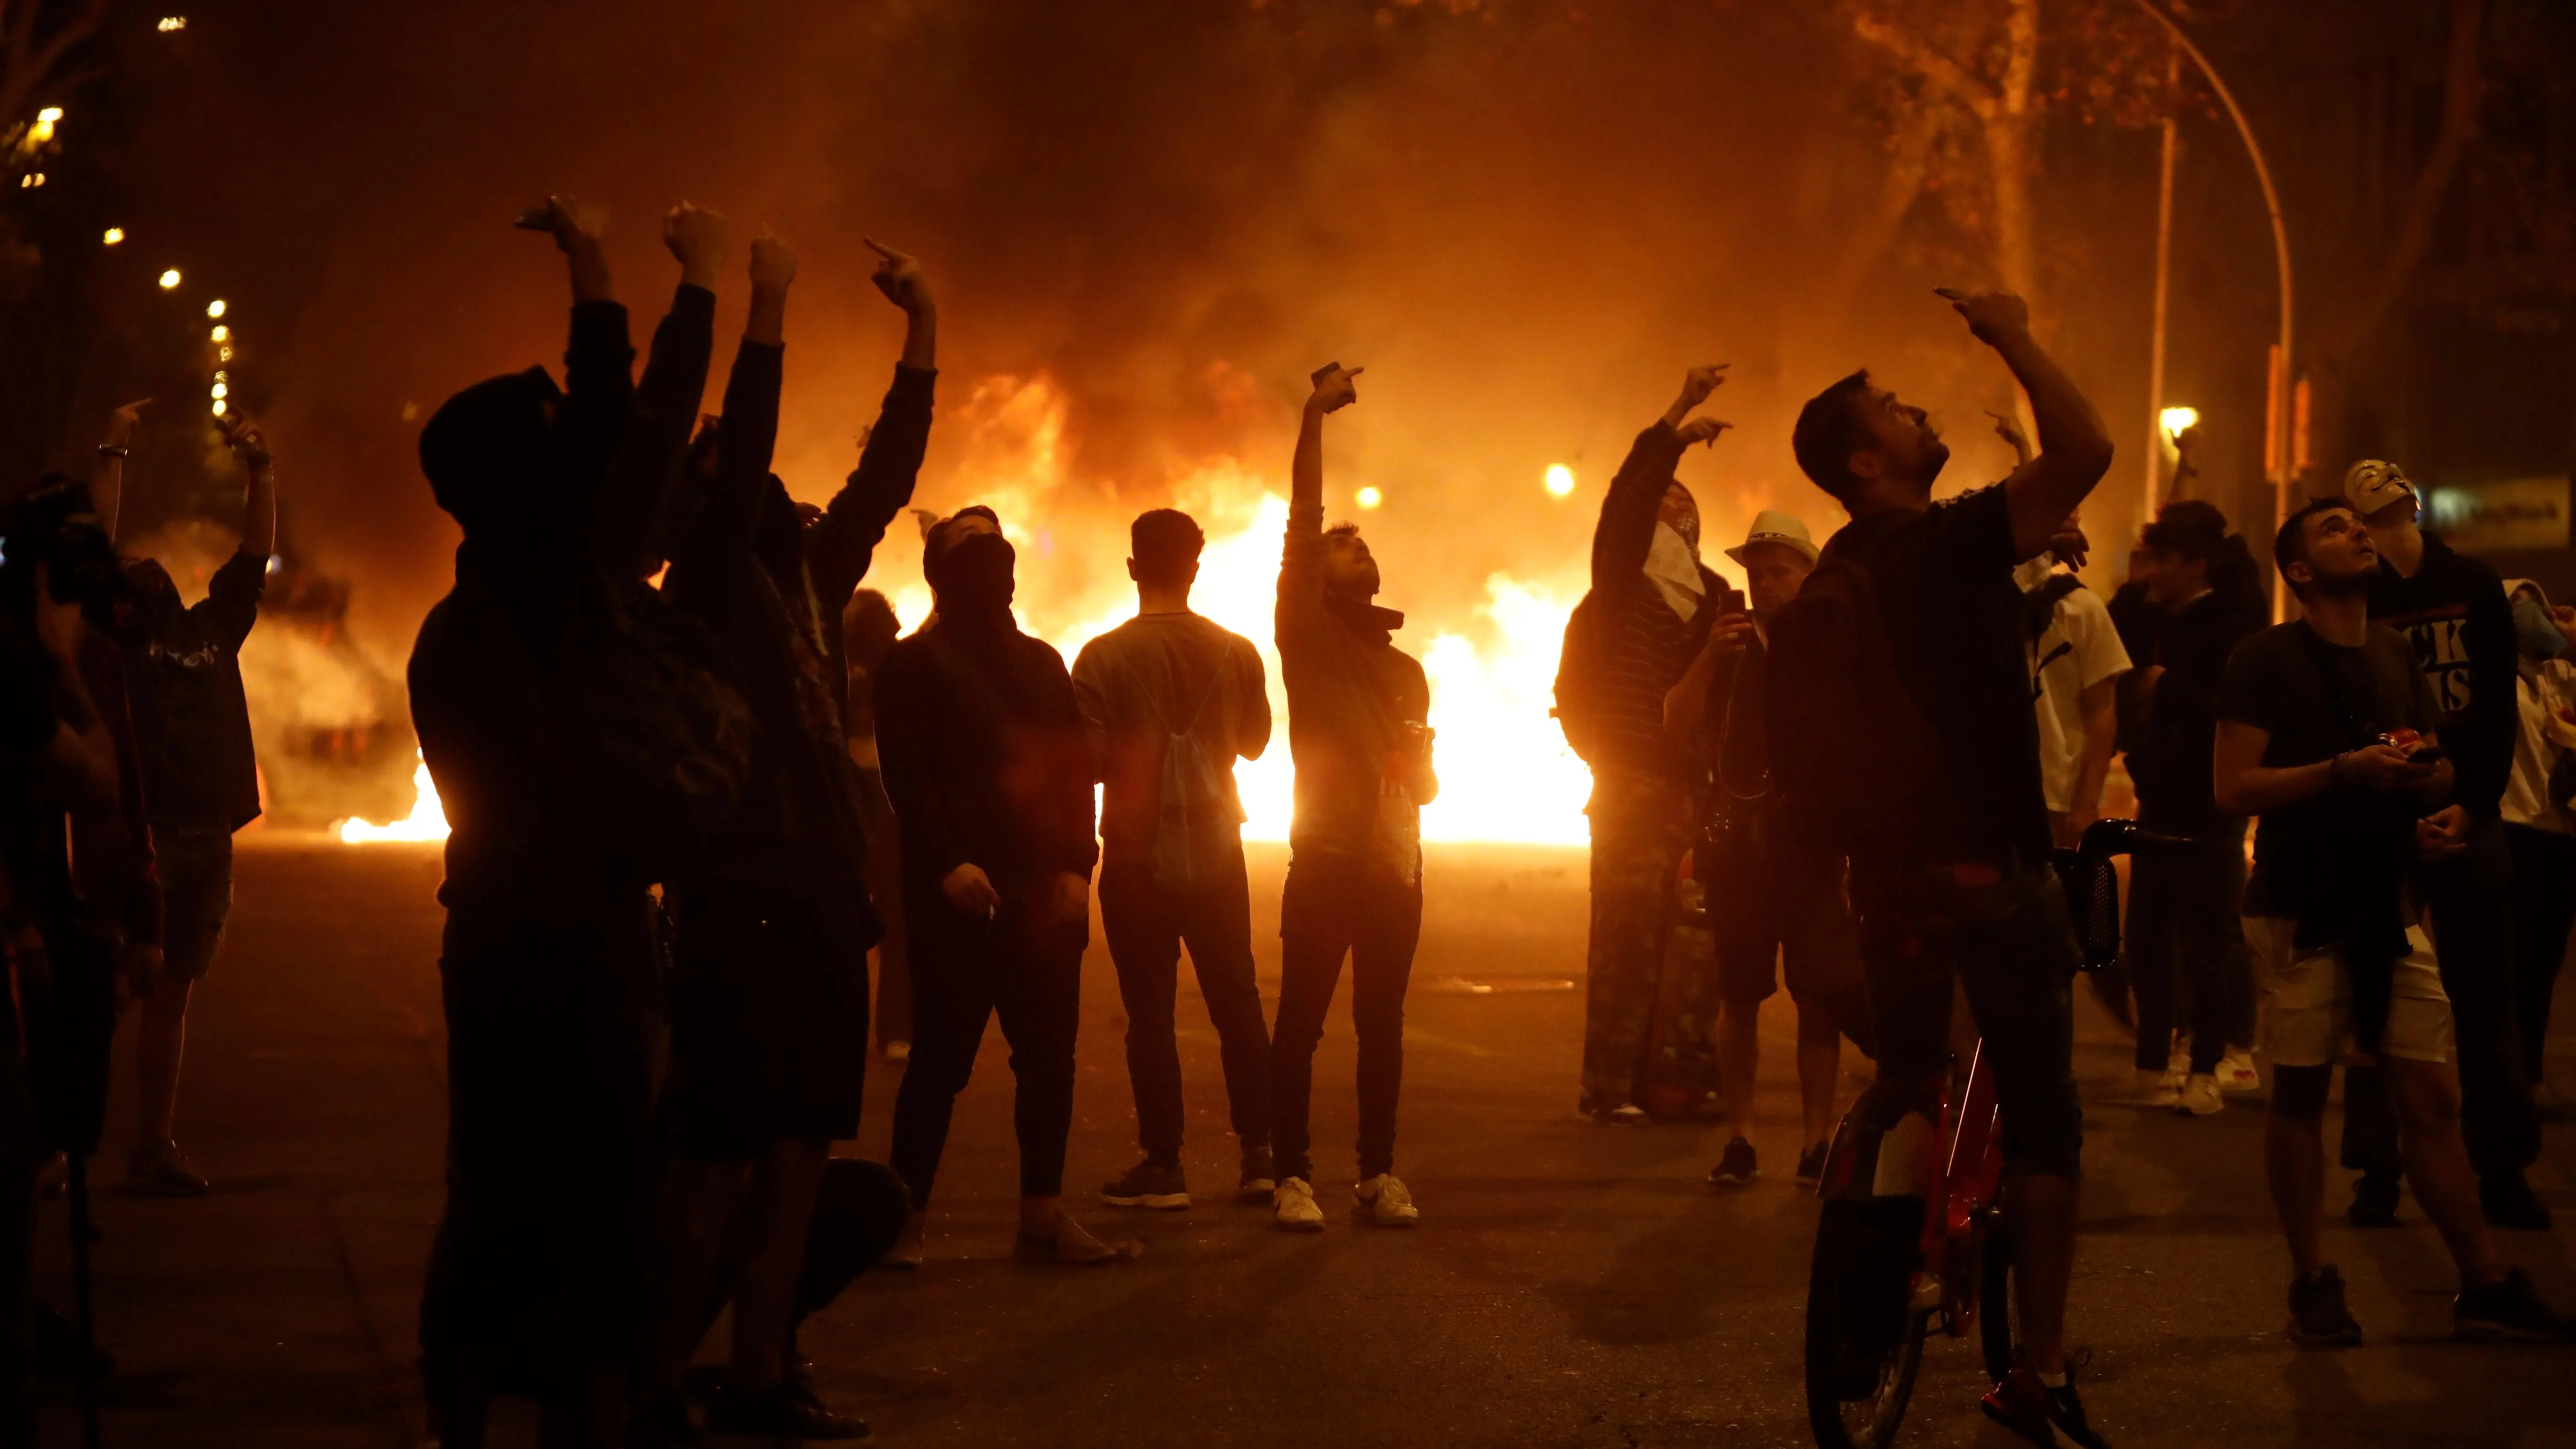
column 773, row 263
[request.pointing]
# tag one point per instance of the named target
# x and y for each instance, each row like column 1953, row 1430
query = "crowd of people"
column 698, row 776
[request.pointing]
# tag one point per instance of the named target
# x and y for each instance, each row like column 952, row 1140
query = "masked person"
column 201, row 781
column 2185, row 936
column 1169, row 702
column 984, row 757
column 1631, row 637
column 770, row 934
column 2452, row 608
column 2328, row 732
column 1776, row 904
column 2537, row 829
column 1356, row 712
column 1900, row 725
column 574, row 745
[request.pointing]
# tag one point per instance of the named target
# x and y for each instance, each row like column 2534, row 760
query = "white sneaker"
column 2159, row 1089
column 2199, row 1096
column 1293, row 1204
column 1384, row 1201
column 2236, row 1073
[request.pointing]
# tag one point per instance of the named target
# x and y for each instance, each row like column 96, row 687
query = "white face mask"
column 1672, row 565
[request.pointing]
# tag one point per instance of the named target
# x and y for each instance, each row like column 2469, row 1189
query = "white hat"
column 2372, row 485
column 1773, row 526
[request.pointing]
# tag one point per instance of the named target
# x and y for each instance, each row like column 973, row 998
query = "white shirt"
column 2526, row 791
column 2078, row 649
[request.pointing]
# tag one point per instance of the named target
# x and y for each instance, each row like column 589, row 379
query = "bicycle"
column 1910, row 1239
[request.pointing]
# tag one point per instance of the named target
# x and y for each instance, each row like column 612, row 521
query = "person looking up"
column 1950, row 862
column 2537, row 829
column 1357, row 707
column 1169, row 702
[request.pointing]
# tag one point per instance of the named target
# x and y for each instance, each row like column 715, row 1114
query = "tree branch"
column 1928, row 63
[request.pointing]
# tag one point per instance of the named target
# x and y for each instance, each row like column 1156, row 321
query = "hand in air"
column 900, row 277
column 773, row 263
column 1731, row 634
column 971, row 891
column 242, row 435
column 1700, row 382
column 572, row 221
column 122, row 423
column 1992, row 316
column 1701, row 430
column 1338, row 389
column 2070, row 546
column 698, row 239
column 2008, row 428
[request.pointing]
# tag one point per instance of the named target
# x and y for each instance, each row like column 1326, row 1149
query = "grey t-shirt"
column 1150, row 678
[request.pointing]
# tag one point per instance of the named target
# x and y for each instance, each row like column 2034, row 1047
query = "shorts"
column 195, row 864
column 1778, row 914
column 2307, row 1000
column 769, row 1023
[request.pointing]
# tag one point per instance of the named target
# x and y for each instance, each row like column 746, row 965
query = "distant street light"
column 115, row 234
column 170, row 279
column 215, row 308
column 1368, row 497
column 1560, row 479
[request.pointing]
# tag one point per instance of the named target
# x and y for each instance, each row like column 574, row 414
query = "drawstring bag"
column 1189, row 838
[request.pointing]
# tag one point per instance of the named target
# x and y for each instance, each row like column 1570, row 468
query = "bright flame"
column 427, row 821
column 2177, row 421
column 1560, row 480
column 49, row 115
column 1368, row 497
column 215, row 308
column 169, row 279
column 114, row 235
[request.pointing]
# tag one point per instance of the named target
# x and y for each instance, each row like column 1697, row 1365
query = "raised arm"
column 1301, row 559
column 666, row 401
column 107, row 477
column 750, row 435
column 1626, row 529
column 259, row 513
column 839, row 549
column 599, row 362
column 2074, row 448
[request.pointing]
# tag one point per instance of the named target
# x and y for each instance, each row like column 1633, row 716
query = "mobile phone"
column 2425, row 755
column 1319, row 374
column 1730, row 600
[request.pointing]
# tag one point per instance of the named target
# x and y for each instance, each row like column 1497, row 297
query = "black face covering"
column 973, row 578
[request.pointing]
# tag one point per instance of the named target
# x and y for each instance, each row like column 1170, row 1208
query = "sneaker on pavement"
column 783, row 1410
column 1070, row 1244
column 2159, row 1089
column 1811, row 1164
column 1149, row 1184
column 1260, row 1175
column 2509, row 1308
column 1293, row 1204
column 2237, row 1073
column 2506, row 1200
column 1735, row 1166
column 908, row 1250
column 2374, row 1200
column 2199, row 1096
column 2318, row 1318
column 1385, row 1201
column 162, row 1169
column 2035, row 1412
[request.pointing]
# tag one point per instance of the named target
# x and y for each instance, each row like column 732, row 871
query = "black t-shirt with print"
column 2315, row 700
column 191, row 719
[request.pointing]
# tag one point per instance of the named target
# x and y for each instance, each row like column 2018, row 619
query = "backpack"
column 1851, row 750
column 1187, row 852
column 1578, row 677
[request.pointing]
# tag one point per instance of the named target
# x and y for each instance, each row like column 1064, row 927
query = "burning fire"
column 427, row 821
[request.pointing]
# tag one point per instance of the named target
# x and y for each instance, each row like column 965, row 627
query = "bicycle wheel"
column 1864, row 1339
column 1998, row 1323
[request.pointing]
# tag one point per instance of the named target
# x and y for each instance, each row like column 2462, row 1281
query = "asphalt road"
column 1569, row 1286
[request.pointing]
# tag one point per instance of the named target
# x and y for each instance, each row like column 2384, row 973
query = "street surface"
column 1569, row 1285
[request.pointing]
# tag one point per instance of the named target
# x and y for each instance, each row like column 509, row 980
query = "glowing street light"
column 115, row 235
column 1560, row 480
column 219, row 407
column 219, row 392
column 215, row 308
column 2178, row 421
column 32, row 178
column 43, row 131
column 170, row 23
column 170, row 279
column 220, row 334
column 1368, row 497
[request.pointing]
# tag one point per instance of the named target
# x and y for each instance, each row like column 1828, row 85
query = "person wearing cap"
column 1776, row 905
column 2453, row 610
column 2184, row 922
column 2537, row 828
column 1632, row 635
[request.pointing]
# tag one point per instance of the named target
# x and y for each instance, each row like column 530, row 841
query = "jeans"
column 1640, row 827
column 1146, row 926
column 2544, row 908
column 965, row 971
column 2186, row 929
column 2470, row 897
column 2011, row 944
column 1336, row 905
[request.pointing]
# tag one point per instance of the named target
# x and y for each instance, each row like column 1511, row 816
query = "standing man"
column 1632, row 637
column 1900, row 703
column 2454, row 611
column 1777, row 905
column 200, row 780
column 2185, row 906
column 2308, row 739
column 1169, row 702
column 984, row 757
column 1356, row 711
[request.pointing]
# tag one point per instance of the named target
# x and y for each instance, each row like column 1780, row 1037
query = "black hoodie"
column 2454, row 611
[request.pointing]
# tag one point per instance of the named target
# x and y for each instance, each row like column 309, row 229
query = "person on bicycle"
column 2326, row 732
column 1951, row 878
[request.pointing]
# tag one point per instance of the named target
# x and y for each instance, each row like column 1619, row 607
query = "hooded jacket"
column 2456, row 615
